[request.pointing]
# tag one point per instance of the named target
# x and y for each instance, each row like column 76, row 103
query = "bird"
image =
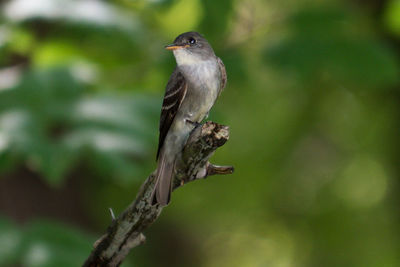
column 193, row 87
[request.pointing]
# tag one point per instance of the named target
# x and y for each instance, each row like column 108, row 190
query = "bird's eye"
column 192, row 41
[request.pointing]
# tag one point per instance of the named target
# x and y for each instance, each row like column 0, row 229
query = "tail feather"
column 163, row 186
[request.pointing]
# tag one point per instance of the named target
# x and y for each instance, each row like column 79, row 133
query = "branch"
column 125, row 232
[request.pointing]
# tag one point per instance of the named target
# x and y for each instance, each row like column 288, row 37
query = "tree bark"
column 125, row 232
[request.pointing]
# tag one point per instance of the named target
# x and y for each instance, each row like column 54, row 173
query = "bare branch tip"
column 222, row 170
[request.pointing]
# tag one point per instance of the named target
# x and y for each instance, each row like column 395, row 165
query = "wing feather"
column 173, row 97
column 224, row 77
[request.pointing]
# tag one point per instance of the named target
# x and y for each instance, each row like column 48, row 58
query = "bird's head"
column 191, row 48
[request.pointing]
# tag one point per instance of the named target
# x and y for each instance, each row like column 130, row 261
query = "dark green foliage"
column 324, row 45
column 42, row 243
column 50, row 122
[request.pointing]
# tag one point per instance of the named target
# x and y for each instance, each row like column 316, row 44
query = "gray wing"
column 224, row 78
column 174, row 94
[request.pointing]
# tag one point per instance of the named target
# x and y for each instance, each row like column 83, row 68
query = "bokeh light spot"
column 181, row 17
column 37, row 255
column 363, row 183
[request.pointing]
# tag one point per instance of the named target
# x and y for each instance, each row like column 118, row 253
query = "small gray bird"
column 192, row 89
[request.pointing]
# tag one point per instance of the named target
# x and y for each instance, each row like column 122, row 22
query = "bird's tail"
column 163, row 186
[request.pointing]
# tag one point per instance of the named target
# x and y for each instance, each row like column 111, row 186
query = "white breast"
column 208, row 73
column 203, row 77
column 184, row 57
column 198, row 70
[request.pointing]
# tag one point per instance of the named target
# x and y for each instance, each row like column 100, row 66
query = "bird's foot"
column 194, row 123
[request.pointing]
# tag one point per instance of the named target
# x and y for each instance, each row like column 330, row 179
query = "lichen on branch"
column 125, row 232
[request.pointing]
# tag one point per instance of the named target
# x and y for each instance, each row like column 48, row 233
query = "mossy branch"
column 125, row 232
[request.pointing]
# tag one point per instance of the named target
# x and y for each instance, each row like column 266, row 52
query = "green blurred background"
column 312, row 102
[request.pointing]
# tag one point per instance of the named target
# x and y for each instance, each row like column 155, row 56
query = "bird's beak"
column 174, row 46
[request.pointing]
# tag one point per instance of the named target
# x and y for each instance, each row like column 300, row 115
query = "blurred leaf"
column 10, row 242
column 21, row 40
column 56, row 53
column 52, row 160
column 75, row 11
column 50, row 121
column 392, row 16
column 181, row 16
column 215, row 19
column 51, row 244
column 321, row 47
